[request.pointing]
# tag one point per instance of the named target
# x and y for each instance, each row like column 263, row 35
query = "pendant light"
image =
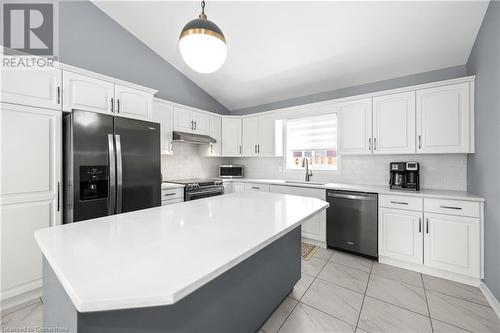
column 202, row 44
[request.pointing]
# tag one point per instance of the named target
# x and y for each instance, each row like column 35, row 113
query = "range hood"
column 192, row 138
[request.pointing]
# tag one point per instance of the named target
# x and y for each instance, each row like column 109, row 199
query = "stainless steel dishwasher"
column 352, row 222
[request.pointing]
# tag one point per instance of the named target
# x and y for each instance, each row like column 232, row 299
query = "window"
column 314, row 138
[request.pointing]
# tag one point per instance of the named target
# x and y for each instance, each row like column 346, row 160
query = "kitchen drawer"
column 172, row 193
column 171, row 201
column 256, row 187
column 452, row 207
column 400, row 202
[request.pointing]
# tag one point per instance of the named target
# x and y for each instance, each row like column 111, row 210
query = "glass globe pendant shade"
column 203, row 45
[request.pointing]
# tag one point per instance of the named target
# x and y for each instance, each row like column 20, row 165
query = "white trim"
column 331, row 102
column 103, row 77
column 421, row 268
column 495, row 305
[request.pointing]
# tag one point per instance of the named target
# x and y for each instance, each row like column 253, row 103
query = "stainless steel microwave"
column 230, row 171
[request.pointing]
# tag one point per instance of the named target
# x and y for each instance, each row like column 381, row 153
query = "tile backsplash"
column 189, row 162
column 443, row 172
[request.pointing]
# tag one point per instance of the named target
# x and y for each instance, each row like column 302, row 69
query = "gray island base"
column 239, row 300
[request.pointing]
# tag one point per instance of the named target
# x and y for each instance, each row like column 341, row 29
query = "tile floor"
column 343, row 293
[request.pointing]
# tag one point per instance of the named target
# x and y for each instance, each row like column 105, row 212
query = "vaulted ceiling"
column 284, row 49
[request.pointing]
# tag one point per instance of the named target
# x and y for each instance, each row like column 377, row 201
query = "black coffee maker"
column 404, row 176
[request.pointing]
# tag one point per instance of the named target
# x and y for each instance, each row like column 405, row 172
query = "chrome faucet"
column 305, row 163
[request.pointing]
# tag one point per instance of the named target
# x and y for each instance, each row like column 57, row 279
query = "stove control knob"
column 196, row 186
column 189, row 187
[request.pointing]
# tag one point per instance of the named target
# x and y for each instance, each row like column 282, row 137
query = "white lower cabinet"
column 256, row 187
column 314, row 228
column 451, row 243
column 238, row 187
column 30, row 195
column 400, row 234
column 171, row 195
column 444, row 244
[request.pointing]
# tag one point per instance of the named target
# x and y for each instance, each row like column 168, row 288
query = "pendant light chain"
column 203, row 15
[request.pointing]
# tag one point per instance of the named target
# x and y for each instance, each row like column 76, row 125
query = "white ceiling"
column 280, row 50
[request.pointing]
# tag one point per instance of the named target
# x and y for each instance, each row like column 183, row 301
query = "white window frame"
column 285, row 168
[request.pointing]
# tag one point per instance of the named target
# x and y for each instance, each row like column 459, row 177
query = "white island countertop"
column 159, row 255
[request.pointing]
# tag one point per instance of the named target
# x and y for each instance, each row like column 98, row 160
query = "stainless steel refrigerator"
column 111, row 165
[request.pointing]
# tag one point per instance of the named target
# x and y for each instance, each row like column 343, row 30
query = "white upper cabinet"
column 355, row 127
column 87, row 93
column 162, row 113
column 258, row 135
column 266, row 133
column 215, row 132
column 231, row 136
column 250, row 136
column 394, row 124
column 444, row 123
column 201, row 123
column 189, row 121
column 41, row 88
column 133, row 103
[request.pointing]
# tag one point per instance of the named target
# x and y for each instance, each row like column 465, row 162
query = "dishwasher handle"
column 350, row 196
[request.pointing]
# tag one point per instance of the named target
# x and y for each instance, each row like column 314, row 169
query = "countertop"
column 159, row 255
column 167, row 185
column 440, row 194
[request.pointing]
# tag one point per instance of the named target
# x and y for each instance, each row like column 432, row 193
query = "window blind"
column 317, row 132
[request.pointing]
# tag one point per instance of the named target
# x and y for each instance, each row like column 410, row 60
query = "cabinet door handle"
column 374, row 143
column 58, row 94
column 258, row 149
column 419, row 141
column 427, row 226
column 451, row 207
column 399, row 202
column 255, row 149
column 419, row 224
column 118, row 106
column 58, row 196
column 369, row 144
column 240, row 149
column 112, row 104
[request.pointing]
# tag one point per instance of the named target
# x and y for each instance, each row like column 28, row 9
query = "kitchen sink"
column 303, row 182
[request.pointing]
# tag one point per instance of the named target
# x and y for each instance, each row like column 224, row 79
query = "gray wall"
column 483, row 167
column 437, row 75
column 90, row 39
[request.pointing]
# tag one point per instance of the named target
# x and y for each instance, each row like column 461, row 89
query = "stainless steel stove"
column 198, row 188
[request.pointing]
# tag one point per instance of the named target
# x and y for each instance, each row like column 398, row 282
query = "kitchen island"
column 220, row 264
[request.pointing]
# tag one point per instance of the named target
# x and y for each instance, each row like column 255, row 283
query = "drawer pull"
column 168, row 194
column 256, row 188
column 399, row 202
column 419, row 224
column 451, row 207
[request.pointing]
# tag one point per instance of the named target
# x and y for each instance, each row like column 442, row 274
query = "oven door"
column 203, row 193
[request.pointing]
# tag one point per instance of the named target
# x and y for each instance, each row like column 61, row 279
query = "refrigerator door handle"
column 119, row 174
column 112, row 175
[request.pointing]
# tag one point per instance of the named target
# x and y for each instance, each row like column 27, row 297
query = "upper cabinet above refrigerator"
column 98, row 95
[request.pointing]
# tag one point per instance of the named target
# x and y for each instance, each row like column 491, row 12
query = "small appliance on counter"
column 229, row 171
column 404, row 176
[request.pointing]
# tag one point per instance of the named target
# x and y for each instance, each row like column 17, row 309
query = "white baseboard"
column 491, row 298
